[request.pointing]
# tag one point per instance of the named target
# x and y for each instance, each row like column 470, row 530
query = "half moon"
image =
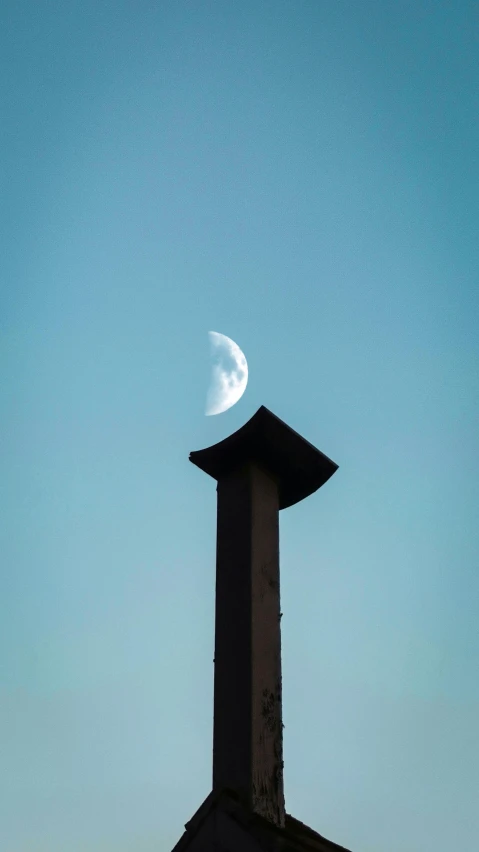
column 230, row 374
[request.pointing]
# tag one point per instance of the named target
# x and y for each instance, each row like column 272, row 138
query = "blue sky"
column 302, row 177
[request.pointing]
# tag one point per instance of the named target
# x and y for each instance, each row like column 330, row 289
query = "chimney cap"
column 265, row 439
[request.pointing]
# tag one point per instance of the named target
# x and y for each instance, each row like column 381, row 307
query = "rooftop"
column 222, row 819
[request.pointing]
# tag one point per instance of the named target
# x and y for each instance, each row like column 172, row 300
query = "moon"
column 229, row 376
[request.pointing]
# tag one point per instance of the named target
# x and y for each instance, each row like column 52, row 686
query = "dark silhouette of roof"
column 223, row 823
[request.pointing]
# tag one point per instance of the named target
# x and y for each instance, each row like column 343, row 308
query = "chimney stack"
column 263, row 467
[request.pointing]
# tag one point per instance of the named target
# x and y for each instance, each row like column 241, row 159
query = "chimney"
column 263, row 467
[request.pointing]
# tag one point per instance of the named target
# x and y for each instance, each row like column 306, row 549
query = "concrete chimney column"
column 247, row 732
column 263, row 467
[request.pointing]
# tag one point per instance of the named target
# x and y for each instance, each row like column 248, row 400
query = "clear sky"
column 302, row 177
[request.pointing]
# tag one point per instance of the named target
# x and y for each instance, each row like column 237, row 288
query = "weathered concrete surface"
column 247, row 738
column 267, row 732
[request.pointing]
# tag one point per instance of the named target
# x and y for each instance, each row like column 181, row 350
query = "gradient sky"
column 302, row 177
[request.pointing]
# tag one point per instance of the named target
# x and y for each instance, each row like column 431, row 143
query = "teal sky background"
column 302, row 177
